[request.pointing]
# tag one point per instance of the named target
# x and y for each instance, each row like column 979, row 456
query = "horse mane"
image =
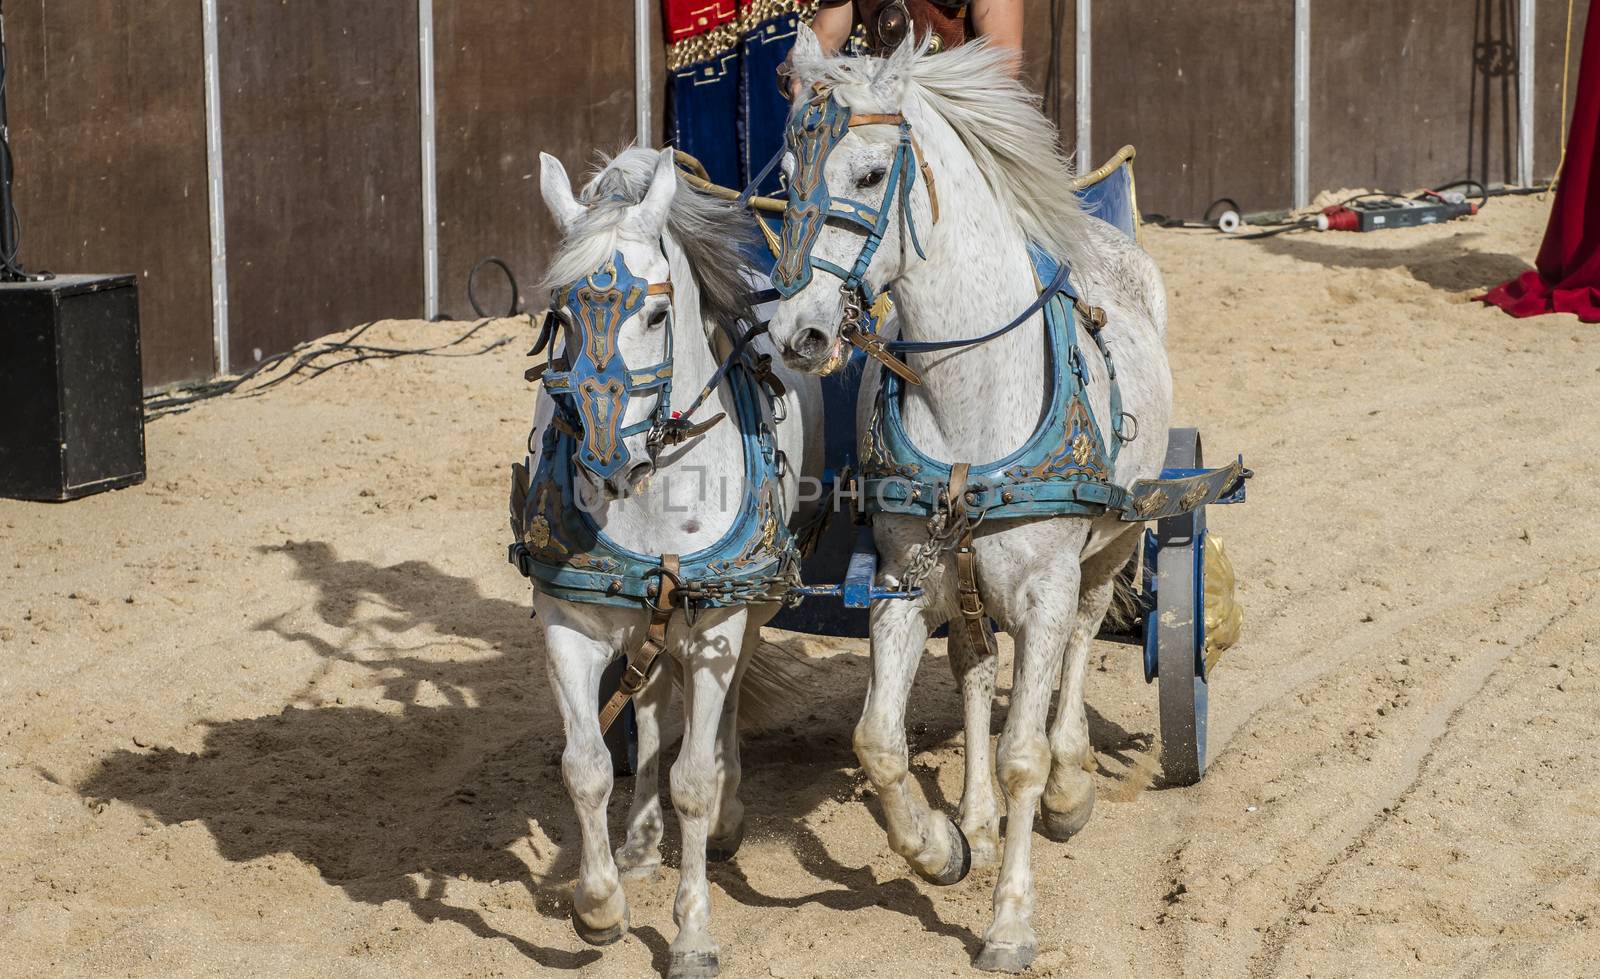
column 995, row 117
column 713, row 234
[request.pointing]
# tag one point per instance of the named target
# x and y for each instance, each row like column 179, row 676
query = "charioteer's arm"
column 998, row 20
column 834, row 21
column 1001, row 22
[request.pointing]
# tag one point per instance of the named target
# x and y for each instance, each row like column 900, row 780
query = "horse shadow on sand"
column 460, row 776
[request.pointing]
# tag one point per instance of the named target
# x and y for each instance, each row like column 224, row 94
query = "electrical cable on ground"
column 472, row 286
column 305, row 356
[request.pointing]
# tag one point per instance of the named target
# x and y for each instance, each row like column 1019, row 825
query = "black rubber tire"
column 1179, row 621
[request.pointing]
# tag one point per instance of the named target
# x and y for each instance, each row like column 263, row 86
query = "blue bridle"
column 592, row 394
column 811, row 136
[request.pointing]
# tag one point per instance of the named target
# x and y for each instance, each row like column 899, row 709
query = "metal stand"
column 10, row 268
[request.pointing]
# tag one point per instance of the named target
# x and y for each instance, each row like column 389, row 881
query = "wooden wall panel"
column 1550, row 38
column 1049, row 28
column 1206, row 94
column 323, row 163
column 108, row 129
column 1414, row 94
column 514, row 80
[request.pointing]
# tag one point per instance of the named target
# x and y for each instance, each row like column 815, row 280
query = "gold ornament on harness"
column 1082, row 449
column 538, row 536
column 1151, row 504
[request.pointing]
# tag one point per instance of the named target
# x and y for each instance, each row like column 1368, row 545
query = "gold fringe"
column 720, row 40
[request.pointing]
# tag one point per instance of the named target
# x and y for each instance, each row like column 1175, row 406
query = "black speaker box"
column 71, row 394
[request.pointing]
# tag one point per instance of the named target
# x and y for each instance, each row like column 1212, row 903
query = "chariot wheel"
column 1175, row 626
column 623, row 738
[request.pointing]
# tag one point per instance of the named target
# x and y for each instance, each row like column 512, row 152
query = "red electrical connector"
column 1377, row 214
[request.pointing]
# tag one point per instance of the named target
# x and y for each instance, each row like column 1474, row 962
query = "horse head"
column 861, row 200
column 611, row 298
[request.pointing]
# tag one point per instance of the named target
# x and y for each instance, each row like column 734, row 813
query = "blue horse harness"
column 561, row 547
column 1065, row 467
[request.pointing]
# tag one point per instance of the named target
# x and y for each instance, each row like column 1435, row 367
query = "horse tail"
column 773, row 683
column 1127, row 605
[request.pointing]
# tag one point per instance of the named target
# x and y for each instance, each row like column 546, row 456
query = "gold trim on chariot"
column 1106, row 169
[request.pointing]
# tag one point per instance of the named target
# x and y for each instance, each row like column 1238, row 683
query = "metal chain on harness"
column 943, row 533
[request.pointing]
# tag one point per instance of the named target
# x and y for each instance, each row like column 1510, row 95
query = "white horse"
column 679, row 501
column 989, row 158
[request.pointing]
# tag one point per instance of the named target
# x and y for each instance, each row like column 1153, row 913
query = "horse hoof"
column 721, row 850
column 1005, row 958
column 985, row 849
column 602, row 936
column 693, row 965
column 960, row 864
column 643, row 870
column 1063, row 826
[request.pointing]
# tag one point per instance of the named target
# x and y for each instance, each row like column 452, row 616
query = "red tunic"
column 1568, row 276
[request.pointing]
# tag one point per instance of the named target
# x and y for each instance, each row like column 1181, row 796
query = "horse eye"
column 872, row 179
column 658, row 317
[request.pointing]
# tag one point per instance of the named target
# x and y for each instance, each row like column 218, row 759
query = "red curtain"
column 1568, row 276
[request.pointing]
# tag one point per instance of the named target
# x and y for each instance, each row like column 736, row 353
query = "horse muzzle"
column 619, row 484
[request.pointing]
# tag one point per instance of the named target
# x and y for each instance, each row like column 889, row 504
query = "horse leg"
column 574, row 664
column 639, row 856
column 930, row 842
column 1024, row 765
column 1069, row 794
column 727, row 828
column 974, row 670
column 711, row 662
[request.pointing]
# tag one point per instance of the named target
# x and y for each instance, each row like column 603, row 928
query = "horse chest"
column 1063, row 468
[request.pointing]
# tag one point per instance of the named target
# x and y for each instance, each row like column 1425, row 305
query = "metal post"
column 430, row 162
column 8, row 240
column 1525, row 59
column 1302, row 103
column 641, row 72
column 214, row 198
column 1084, row 108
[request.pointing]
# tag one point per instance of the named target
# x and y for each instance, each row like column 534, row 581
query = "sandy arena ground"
column 280, row 711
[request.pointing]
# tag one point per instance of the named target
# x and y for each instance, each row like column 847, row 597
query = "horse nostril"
column 626, row 482
column 810, row 343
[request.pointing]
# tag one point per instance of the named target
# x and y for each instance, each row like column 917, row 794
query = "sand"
column 281, row 711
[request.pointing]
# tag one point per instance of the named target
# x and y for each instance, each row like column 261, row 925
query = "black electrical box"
column 71, row 394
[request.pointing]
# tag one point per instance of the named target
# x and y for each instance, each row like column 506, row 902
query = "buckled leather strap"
column 973, row 617
column 876, row 119
column 655, row 642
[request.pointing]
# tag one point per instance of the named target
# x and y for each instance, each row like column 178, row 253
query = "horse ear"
column 556, row 187
column 807, row 50
column 650, row 215
column 895, row 76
